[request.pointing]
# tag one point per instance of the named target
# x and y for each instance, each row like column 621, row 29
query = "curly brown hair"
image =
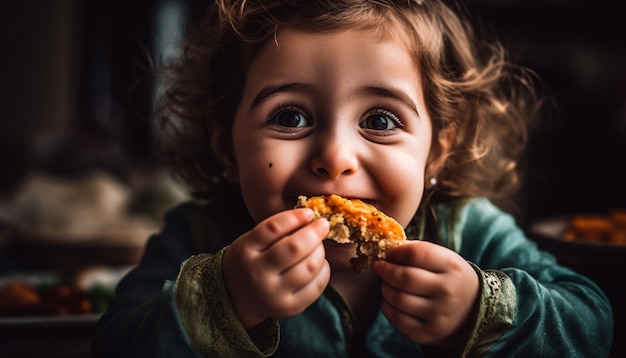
column 471, row 90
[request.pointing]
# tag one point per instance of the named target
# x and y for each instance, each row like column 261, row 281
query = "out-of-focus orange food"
column 17, row 296
column 22, row 299
column 598, row 228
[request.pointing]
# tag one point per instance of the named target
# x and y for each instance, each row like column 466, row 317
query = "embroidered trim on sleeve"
column 496, row 311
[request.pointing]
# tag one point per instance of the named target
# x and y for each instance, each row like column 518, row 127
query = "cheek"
column 408, row 191
column 402, row 181
column 252, row 169
column 259, row 185
column 264, row 171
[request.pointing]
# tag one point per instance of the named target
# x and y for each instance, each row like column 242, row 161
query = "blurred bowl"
column 580, row 254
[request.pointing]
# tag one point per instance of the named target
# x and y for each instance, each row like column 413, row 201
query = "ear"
column 220, row 144
column 439, row 153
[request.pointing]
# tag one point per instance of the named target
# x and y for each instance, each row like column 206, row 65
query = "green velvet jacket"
column 174, row 303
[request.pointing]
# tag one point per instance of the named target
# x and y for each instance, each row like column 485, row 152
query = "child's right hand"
column 278, row 268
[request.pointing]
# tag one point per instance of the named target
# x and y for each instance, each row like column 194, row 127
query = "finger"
column 423, row 254
column 314, row 289
column 413, row 280
column 303, row 272
column 409, row 303
column 291, row 249
column 401, row 318
column 277, row 226
column 295, row 302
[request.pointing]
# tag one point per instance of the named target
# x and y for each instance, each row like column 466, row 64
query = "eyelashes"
column 397, row 119
column 288, row 118
column 282, row 108
column 378, row 118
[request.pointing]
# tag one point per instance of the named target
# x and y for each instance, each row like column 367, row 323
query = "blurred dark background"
column 77, row 87
column 576, row 162
column 76, row 92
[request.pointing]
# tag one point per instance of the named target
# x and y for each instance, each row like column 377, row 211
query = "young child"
column 394, row 102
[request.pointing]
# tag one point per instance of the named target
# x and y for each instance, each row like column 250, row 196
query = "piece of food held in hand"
column 352, row 220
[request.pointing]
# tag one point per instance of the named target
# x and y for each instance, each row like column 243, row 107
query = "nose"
column 334, row 156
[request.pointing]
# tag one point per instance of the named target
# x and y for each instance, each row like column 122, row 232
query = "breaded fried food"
column 352, row 220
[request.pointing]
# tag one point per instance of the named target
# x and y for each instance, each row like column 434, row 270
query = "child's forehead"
column 375, row 34
column 335, row 43
column 415, row 29
column 340, row 62
column 357, row 34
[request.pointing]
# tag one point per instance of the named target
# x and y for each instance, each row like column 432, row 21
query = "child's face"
column 332, row 113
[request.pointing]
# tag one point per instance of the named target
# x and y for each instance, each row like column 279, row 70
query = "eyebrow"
column 271, row 90
column 385, row 92
column 392, row 93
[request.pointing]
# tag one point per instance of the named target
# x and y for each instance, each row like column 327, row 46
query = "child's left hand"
column 428, row 293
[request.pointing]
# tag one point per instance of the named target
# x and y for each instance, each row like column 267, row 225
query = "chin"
column 334, row 245
column 339, row 255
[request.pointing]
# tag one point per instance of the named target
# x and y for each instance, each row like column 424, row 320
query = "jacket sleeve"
column 208, row 317
column 146, row 317
column 530, row 305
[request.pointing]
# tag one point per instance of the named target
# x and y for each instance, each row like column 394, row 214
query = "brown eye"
column 378, row 122
column 381, row 120
column 291, row 119
column 289, row 116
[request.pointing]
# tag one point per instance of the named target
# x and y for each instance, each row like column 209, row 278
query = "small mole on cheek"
column 270, row 165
